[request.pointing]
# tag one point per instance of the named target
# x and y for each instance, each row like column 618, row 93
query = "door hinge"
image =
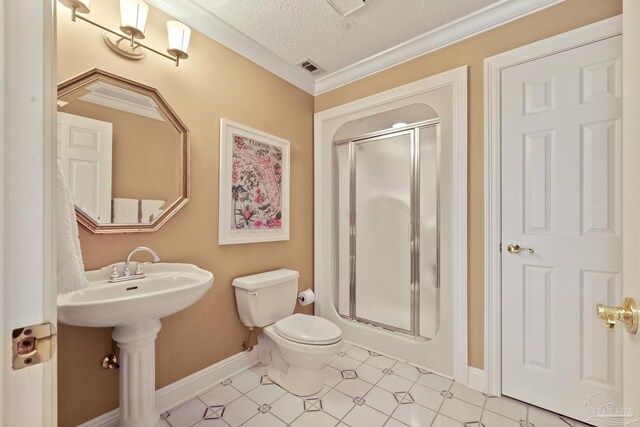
column 500, row 247
column 33, row 345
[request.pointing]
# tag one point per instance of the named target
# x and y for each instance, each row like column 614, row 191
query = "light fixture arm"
column 134, row 42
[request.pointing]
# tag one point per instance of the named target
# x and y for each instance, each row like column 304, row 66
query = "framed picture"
column 254, row 185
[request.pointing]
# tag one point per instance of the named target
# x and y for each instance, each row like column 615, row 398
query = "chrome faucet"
column 127, row 263
column 127, row 274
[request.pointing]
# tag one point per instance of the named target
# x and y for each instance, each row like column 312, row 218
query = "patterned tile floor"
column 362, row 389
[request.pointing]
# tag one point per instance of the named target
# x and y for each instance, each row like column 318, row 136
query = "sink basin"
column 166, row 289
column 134, row 309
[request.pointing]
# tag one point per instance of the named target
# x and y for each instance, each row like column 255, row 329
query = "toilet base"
column 293, row 366
column 300, row 382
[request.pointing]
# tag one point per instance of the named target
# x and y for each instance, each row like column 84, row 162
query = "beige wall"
column 214, row 82
column 555, row 20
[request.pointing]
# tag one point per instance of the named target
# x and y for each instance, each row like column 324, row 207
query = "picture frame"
column 254, row 185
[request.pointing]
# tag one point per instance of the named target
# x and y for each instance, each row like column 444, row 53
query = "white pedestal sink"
column 134, row 308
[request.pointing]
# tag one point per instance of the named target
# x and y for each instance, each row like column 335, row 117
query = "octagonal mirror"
column 123, row 151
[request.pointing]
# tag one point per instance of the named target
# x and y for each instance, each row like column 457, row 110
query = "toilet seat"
column 306, row 329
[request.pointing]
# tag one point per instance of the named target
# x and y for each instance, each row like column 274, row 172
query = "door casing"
column 630, row 194
column 493, row 67
column 27, row 202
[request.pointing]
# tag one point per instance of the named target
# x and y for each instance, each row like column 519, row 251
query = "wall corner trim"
column 476, row 379
column 215, row 28
column 189, row 387
column 485, row 19
column 468, row 26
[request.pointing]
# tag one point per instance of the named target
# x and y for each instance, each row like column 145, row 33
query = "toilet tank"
column 265, row 298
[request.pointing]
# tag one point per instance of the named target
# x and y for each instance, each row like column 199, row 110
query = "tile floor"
column 362, row 389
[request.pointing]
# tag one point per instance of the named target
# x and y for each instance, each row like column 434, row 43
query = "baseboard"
column 476, row 379
column 188, row 387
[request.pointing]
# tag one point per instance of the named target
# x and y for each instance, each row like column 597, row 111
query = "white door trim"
column 493, row 67
column 630, row 195
column 323, row 201
column 27, row 202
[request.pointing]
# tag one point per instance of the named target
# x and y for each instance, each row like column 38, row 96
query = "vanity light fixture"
column 133, row 19
column 398, row 125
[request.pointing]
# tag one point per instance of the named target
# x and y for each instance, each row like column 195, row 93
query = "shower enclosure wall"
column 390, row 220
column 387, row 233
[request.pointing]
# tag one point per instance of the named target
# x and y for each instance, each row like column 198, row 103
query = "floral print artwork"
column 256, row 183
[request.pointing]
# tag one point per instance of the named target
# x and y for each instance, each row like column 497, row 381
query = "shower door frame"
column 413, row 130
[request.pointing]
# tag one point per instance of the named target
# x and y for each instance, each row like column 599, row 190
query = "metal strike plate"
column 32, row 345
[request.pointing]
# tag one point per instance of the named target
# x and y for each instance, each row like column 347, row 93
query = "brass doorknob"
column 627, row 313
column 515, row 249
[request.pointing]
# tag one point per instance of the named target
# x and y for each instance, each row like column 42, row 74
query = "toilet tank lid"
column 268, row 278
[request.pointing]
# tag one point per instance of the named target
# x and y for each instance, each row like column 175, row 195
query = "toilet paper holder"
column 306, row 297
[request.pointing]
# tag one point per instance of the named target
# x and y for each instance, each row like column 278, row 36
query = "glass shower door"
column 383, row 230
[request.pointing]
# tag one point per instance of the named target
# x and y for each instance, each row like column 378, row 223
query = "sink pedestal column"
column 138, row 374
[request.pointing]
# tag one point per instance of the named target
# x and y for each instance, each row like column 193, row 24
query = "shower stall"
column 390, row 220
column 387, row 216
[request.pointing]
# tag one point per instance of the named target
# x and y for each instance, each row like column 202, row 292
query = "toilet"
column 293, row 347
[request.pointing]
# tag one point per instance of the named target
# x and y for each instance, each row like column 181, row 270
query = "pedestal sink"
column 134, row 308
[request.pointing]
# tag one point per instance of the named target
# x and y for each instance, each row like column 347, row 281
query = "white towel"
column 70, row 266
column 150, row 209
column 125, row 211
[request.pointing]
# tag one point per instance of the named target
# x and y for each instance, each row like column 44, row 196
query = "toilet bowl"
column 299, row 346
column 293, row 347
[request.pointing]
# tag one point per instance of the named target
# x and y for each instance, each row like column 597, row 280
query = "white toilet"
column 297, row 345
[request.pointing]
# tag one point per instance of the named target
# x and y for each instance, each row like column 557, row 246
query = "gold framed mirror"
column 123, row 151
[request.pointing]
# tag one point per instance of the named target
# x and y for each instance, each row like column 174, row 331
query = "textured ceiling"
column 297, row 30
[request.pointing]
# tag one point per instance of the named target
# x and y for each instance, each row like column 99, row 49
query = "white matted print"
column 254, row 185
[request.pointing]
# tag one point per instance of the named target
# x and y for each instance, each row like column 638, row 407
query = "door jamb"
column 493, row 67
column 630, row 196
column 27, row 203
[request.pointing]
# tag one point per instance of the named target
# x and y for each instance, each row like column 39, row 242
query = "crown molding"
column 468, row 26
column 478, row 22
column 210, row 25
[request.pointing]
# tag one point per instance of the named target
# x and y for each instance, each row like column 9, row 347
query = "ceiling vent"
column 345, row 7
column 311, row 67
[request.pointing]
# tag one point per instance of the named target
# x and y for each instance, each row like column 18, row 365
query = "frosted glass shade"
column 133, row 17
column 81, row 6
column 179, row 35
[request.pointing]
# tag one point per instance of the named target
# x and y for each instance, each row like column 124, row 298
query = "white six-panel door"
column 561, row 196
column 85, row 153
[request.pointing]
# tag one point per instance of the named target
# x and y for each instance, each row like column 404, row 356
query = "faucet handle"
column 114, row 271
column 138, row 269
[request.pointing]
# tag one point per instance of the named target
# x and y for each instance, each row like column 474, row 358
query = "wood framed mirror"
column 123, row 151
